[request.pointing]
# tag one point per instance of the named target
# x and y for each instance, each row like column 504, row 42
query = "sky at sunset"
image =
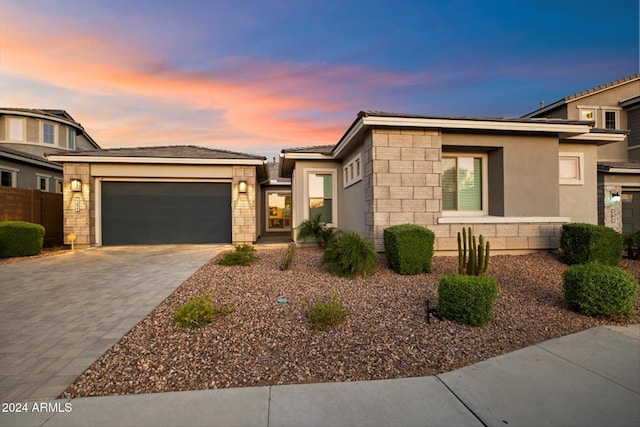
column 259, row 76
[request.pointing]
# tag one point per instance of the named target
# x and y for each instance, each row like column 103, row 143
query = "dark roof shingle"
column 167, row 151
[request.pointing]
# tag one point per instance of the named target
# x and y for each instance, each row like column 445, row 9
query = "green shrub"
column 467, row 299
column 409, row 248
column 242, row 255
column 632, row 244
column 350, row 255
column 326, row 314
column 19, row 238
column 583, row 243
column 595, row 288
column 317, row 230
column 288, row 256
column 200, row 311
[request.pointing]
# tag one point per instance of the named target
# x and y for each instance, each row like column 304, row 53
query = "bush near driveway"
column 20, row 238
column 583, row 243
column 242, row 255
column 199, row 312
column 409, row 248
column 595, row 288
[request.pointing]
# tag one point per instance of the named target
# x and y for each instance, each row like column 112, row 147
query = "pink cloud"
column 249, row 105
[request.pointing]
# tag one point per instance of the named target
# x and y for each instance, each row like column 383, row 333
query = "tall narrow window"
column 6, row 179
column 16, row 129
column 610, row 120
column 462, row 186
column 48, row 133
column 71, row 139
column 321, row 196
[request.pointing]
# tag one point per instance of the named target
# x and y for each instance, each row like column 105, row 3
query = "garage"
column 165, row 212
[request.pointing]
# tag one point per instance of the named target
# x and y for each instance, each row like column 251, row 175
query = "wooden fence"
column 31, row 205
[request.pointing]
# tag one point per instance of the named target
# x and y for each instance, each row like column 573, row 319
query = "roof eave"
column 155, row 160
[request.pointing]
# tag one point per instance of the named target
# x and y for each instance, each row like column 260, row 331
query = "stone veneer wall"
column 243, row 212
column 402, row 179
column 82, row 222
column 507, row 236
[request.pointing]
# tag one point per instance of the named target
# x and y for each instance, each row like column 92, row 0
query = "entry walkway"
column 590, row 378
column 59, row 314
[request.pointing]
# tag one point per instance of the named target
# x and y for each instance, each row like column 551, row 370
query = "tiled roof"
column 605, row 166
column 167, row 151
column 58, row 114
column 374, row 113
column 316, row 149
column 28, row 156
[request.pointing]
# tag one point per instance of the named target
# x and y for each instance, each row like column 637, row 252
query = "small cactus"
column 478, row 260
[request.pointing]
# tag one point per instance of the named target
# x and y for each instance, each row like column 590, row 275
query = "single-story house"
column 499, row 176
column 161, row 195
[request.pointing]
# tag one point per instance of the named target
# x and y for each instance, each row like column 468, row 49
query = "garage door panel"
column 162, row 213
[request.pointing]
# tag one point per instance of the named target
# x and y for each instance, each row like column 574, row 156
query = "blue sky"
column 258, row 76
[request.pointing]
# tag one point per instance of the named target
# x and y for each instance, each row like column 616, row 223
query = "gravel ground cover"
column 385, row 336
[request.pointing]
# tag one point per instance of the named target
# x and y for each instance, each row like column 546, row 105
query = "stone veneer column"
column 402, row 179
column 79, row 207
column 243, row 211
column 612, row 209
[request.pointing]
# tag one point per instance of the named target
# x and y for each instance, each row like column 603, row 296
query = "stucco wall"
column 529, row 171
column 579, row 202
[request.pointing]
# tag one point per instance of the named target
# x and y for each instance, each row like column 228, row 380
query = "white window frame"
column 55, row 133
column 590, row 108
column 334, row 192
column 14, row 175
column 352, row 171
column 13, row 121
column 47, row 179
column 484, row 161
column 59, row 184
column 616, row 111
column 580, row 159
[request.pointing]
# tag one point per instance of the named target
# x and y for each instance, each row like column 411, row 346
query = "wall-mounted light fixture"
column 242, row 186
column 615, row 197
column 76, row 185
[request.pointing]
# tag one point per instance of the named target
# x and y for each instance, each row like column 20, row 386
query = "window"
column 58, row 185
column 16, row 129
column 279, row 212
column 8, row 177
column 48, row 133
column 587, row 114
column 321, row 196
column 71, row 139
column 610, row 119
column 464, row 183
column 571, row 168
column 352, row 172
column 42, row 182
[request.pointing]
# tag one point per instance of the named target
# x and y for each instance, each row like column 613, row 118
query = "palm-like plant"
column 317, row 230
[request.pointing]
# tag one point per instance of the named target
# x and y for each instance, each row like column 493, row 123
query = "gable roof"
column 317, row 149
column 21, row 156
column 582, row 94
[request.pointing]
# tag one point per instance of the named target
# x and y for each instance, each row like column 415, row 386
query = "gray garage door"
column 165, row 212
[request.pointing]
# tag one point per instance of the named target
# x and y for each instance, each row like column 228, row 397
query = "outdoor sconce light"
column 242, row 187
column 615, row 197
column 76, row 185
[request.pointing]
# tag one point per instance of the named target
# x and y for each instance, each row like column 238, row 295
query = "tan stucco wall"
column 298, row 192
column 579, row 202
column 162, row 171
column 530, row 170
column 352, row 208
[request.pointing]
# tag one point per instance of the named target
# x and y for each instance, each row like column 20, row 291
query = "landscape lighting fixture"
column 76, row 185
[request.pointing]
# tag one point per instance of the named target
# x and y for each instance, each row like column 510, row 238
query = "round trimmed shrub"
column 595, row 288
column 467, row 299
column 20, row 238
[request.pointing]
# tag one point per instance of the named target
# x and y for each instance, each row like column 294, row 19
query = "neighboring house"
column 159, row 195
column 615, row 107
column 27, row 136
column 499, row 176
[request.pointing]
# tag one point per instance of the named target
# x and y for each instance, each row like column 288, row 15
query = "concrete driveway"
column 59, row 314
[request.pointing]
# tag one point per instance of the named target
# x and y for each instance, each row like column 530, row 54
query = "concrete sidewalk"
column 584, row 379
